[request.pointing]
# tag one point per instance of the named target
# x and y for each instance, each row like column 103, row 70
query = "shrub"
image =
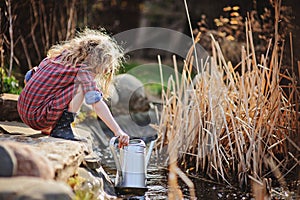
column 9, row 84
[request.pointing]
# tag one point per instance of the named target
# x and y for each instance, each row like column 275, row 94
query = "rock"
column 126, row 85
column 108, row 186
column 8, row 164
column 17, row 128
column 8, row 107
column 29, row 162
column 131, row 93
column 32, row 188
column 92, row 162
column 64, row 156
column 114, row 96
column 92, row 125
column 98, row 182
column 90, row 184
column 136, row 125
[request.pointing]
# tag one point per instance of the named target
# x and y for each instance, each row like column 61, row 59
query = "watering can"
column 131, row 166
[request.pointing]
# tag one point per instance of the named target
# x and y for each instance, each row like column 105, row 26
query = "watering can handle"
column 112, row 146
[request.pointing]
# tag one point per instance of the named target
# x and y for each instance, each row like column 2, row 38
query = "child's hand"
column 123, row 138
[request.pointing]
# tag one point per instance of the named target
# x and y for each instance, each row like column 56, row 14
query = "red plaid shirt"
column 49, row 91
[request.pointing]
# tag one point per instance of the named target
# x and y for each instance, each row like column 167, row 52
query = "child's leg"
column 46, row 131
column 63, row 128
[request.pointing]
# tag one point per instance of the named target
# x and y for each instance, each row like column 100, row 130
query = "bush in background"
column 9, row 84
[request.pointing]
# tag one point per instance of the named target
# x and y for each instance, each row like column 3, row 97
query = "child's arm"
column 104, row 113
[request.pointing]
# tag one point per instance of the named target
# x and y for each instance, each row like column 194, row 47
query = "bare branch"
column 44, row 22
column 8, row 3
column 26, row 52
column 71, row 19
column 35, row 16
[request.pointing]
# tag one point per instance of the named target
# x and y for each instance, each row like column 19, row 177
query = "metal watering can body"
column 131, row 164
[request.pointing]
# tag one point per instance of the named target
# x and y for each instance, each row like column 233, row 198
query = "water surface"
column 157, row 182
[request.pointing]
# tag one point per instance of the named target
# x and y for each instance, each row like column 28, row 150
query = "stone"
column 8, row 107
column 93, row 126
column 92, row 162
column 97, row 181
column 64, row 156
column 29, row 162
column 131, row 93
column 17, row 128
column 126, row 85
column 136, row 125
column 8, row 164
column 114, row 95
column 90, row 183
column 33, row 188
column 108, row 185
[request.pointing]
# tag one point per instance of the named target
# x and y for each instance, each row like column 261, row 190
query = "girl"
column 55, row 90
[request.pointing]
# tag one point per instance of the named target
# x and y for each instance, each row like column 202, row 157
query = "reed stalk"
column 231, row 122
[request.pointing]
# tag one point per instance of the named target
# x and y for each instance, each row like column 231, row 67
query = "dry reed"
column 231, row 122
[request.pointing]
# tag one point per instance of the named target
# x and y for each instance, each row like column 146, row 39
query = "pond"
column 157, row 182
column 157, row 178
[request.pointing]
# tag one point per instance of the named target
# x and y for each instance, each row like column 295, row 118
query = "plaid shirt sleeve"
column 92, row 93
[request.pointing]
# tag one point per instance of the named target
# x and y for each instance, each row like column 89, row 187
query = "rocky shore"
column 36, row 166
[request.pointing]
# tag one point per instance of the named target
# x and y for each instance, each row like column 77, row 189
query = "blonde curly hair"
column 94, row 49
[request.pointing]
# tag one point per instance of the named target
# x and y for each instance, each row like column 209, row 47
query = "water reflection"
column 157, row 182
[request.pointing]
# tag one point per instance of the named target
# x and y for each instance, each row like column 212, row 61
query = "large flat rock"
column 36, row 159
column 13, row 127
column 65, row 156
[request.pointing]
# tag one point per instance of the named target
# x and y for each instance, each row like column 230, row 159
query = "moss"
column 81, row 191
